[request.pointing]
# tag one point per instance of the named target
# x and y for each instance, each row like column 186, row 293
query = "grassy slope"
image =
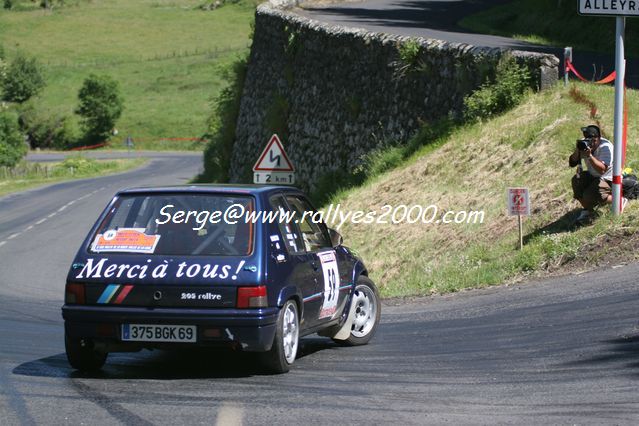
column 528, row 146
column 135, row 42
column 552, row 22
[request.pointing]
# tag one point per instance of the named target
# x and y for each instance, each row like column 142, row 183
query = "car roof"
column 241, row 189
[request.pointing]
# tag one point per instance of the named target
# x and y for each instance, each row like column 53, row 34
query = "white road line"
column 2, row 243
column 229, row 415
column 41, row 221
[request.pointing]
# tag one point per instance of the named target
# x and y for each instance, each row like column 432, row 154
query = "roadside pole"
column 620, row 10
column 567, row 58
column 620, row 66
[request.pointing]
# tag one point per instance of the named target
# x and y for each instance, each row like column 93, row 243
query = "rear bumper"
column 249, row 329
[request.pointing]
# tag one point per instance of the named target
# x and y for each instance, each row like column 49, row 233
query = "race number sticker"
column 129, row 240
column 331, row 283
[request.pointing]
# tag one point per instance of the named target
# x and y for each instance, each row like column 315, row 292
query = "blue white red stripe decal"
column 123, row 294
column 108, row 293
column 313, row 297
column 319, row 295
column 111, row 290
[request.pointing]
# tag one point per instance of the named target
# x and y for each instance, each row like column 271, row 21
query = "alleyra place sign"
column 609, row 7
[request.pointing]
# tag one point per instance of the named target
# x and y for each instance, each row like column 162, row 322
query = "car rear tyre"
column 366, row 315
column 83, row 357
column 284, row 350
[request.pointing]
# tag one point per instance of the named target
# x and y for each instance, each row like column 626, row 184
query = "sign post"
column 129, row 143
column 620, row 65
column 619, row 9
column 567, row 58
column 519, row 205
column 273, row 165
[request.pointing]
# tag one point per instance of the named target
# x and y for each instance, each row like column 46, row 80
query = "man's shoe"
column 584, row 218
column 585, row 214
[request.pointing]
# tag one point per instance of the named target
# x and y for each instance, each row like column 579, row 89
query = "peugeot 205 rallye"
column 245, row 266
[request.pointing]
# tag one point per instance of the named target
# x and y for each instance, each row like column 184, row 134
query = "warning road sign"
column 273, row 158
column 518, row 202
column 273, row 165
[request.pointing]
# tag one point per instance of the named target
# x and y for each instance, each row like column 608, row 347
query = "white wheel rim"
column 365, row 311
column 290, row 333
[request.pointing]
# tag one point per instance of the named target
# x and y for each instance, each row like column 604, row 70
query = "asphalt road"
column 560, row 351
column 438, row 19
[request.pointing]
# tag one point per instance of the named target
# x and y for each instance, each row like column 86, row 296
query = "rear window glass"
column 175, row 224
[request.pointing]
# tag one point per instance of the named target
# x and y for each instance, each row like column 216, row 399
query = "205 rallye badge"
column 130, row 240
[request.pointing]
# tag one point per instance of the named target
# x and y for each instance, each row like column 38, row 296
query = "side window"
column 315, row 235
column 292, row 240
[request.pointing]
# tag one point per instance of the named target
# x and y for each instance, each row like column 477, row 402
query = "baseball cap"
column 591, row 131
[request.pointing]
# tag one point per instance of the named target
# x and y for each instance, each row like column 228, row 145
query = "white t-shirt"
column 604, row 154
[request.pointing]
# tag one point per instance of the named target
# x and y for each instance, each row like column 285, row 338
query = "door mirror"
column 336, row 238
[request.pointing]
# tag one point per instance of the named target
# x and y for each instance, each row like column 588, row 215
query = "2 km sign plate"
column 609, row 7
column 273, row 165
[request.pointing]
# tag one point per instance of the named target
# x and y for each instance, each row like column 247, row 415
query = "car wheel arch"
column 288, row 293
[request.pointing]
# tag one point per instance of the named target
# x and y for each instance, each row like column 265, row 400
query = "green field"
column 166, row 56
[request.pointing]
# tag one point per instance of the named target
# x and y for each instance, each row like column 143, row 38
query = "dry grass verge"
column 527, row 146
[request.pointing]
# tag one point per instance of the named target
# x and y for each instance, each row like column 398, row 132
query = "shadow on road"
column 422, row 18
column 165, row 365
column 622, row 350
column 437, row 15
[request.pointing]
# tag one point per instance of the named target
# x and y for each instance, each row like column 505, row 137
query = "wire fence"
column 26, row 170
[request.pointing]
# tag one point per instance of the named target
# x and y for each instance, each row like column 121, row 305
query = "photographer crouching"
column 593, row 186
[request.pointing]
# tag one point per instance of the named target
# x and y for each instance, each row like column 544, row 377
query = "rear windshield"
column 175, row 224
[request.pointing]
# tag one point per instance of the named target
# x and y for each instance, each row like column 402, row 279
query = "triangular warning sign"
column 273, row 158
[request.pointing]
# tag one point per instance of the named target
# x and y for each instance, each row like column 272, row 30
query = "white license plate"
column 158, row 333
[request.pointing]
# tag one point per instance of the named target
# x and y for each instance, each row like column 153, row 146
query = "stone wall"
column 334, row 94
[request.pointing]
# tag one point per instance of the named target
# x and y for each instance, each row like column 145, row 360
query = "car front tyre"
column 83, row 357
column 284, row 350
column 367, row 313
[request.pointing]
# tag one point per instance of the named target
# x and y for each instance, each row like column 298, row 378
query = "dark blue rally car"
column 250, row 267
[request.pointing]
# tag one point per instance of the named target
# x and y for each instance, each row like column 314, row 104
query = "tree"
column 100, row 106
column 12, row 146
column 23, row 79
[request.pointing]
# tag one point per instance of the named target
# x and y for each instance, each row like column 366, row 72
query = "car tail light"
column 251, row 297
column 74, row 294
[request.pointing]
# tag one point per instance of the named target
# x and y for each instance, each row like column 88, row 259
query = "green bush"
column 220, row 134
column 100, row 106
column 23, row 79
column 12, row 146
column 45, row 130
column 76, row 165
column 498, row 94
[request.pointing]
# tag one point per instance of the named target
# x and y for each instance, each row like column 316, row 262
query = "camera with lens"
column 584, row 144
